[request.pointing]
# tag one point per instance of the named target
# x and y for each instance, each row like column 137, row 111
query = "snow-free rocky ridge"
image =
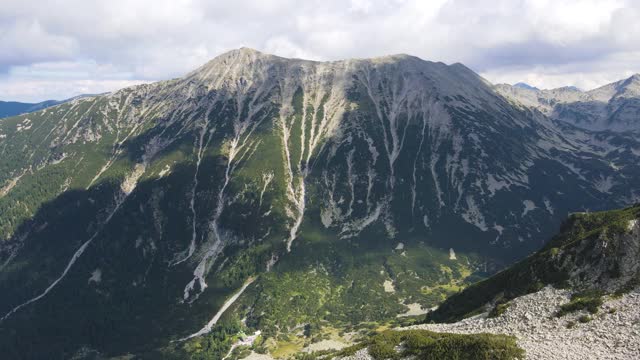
column 614, row 106
column 254, row 165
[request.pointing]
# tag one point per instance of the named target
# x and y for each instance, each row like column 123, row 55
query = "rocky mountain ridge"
column 613, row 106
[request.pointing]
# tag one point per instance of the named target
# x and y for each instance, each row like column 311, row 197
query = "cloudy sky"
column 61, row 48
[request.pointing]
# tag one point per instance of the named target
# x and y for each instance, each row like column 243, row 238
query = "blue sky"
column 68, row 47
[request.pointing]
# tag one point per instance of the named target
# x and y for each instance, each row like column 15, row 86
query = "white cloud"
column 585, row 75
column 545, row 42
column 25, row 42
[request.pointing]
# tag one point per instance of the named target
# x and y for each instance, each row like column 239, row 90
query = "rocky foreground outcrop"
column 613, row 333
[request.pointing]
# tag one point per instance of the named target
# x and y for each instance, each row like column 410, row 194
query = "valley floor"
column 613, row 333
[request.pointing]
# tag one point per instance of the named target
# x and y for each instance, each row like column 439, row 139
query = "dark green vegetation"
column 587, row 255
column 215, row 345
column 571, row 324
column 334, row 285
column 585, row 319
column 498, row 309
column 429, row 345
column 587, row 300
column 349, row 190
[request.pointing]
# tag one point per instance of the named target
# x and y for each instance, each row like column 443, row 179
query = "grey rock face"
column 615, row 106
column 530, row 318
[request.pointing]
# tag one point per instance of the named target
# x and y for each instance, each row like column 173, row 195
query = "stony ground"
column 543, row 336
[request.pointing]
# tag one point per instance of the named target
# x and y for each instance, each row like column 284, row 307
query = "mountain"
column 615, row 106
column 576, row 298
column 10, row 108
column 526, row 86
column 595, row 252
column 298, row 196
column 13, row 108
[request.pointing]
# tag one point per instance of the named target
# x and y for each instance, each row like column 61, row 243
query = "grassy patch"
column 587, row 300
column 285, row 349
column 214, row 345
column 585, row 318
column 427, row 345
column 499, row 309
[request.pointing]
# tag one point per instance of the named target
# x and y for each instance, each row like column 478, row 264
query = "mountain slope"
column 576, row 298
column 347, row 189
column 614, row 106
column 593, row 251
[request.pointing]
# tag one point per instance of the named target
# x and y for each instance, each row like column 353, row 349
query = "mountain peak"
column 246, row 63
column 523, row 85
column 629, row 87
column 633, row 81
column 236, row 63
column 248, row 49
column 245, row 51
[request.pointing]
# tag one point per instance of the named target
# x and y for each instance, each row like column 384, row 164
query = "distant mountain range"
column 13, row 108
column 614, row 106
column 525, row 86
